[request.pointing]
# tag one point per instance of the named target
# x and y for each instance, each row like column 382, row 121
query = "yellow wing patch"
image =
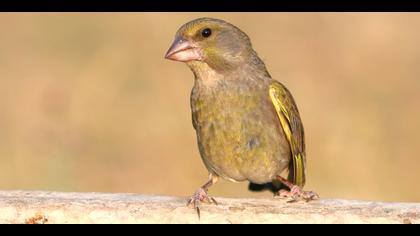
column 280, row 112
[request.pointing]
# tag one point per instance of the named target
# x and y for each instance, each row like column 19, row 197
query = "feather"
column 291, row 123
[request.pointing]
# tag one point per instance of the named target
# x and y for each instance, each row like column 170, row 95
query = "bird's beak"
column 183, row 50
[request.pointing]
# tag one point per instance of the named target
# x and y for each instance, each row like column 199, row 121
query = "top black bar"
column 207, row 5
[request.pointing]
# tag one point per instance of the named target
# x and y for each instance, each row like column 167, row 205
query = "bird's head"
column 213, row 42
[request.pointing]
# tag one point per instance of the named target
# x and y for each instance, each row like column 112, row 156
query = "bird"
column 247, row 124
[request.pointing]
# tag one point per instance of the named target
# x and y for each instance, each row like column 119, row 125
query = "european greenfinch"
column 248, row 125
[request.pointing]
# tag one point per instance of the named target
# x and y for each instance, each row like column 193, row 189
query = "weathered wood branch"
column 60, row 207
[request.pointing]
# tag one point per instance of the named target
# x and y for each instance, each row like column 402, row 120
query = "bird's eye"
column 206, row 32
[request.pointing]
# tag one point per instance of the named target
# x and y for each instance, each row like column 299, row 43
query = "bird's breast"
column 238, row 133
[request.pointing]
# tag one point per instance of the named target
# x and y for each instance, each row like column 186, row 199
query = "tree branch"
column 57, row 207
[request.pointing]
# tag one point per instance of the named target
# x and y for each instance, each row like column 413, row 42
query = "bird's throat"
column 204, row 73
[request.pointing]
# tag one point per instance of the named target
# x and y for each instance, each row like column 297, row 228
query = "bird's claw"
column 296, row 193
column 198, row 197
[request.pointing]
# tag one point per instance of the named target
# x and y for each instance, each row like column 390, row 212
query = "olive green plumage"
column 248, row 125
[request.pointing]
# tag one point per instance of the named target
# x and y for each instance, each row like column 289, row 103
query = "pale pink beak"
column 183, row 50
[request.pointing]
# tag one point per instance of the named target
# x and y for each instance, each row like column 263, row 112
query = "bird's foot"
column 296, row 193
column 198, row 197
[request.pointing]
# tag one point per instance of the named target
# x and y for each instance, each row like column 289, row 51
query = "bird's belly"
column 242, row 144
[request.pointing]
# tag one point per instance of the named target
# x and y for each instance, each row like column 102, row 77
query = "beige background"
column 87, row 102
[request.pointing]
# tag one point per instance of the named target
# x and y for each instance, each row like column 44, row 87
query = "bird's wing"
column 292, row 125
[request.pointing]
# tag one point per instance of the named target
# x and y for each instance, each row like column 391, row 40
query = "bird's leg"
column 295, row 192
column 201, row 194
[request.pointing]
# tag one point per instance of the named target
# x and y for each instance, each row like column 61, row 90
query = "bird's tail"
column 297, row 170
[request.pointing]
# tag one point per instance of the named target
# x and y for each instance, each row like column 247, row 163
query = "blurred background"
column 88, row 103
